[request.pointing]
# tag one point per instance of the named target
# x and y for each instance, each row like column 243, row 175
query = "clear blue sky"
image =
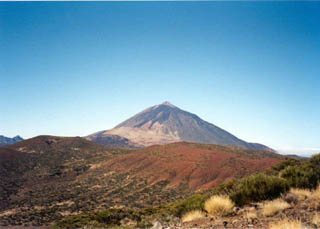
column 252, row 68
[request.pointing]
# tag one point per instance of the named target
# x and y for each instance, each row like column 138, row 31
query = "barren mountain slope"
column 166, row 123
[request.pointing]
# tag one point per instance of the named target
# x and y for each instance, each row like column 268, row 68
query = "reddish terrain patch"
column 197, row 165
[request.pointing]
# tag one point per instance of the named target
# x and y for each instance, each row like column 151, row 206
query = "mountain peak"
column 166, row 103
column 18, row 137
column 165, row 123
column 6, row 141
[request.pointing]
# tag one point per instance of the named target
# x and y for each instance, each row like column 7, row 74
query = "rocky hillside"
column 112, row 140
column 166, row 123
column 284, row 197
column 47, row 178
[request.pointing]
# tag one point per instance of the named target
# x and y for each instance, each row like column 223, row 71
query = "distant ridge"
column 166, row 123
column 7, row 141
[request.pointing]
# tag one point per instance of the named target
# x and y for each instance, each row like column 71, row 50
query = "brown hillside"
column 198, row 166
column 47, row 178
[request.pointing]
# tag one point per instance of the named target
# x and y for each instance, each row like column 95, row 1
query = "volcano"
column 166, row 123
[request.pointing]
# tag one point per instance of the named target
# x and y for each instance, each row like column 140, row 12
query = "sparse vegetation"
column 110, row 217
column 219, row 205
column 254, row 188
column 76, row 184
column 315, row 196
column 286, row 224
column 192, row 215
column 195, row 202
column 316, row 219
column 301, row 193
column 273, row 207
column 250, row 216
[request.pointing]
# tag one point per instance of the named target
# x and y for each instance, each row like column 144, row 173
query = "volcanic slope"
column 194, row 166
column 166, row 123
column 47, row 178
column 41, row 173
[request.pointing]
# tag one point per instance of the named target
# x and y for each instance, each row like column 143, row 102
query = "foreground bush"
column 258, row 187
column 283, row 165
column 286, row 224
column 195, row 202
column 306, row 175
column 219, row 205
column 192, row 215
column 273, row 207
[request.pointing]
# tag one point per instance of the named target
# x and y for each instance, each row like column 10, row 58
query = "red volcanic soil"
column 197, row 165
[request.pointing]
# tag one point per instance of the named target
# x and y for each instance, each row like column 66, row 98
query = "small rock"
column 236, row 209
column 225, row 223
column 241, row 211
column 291, row 198
column 235, row 221
column 157, row 225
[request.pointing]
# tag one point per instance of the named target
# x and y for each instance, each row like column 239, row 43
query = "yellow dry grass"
column 316, row 219
column 301, row 193
column 270, row 208
column 218, row 205
column 315, row 196
column 286, row 224
column 250, row 215
column 192, row 215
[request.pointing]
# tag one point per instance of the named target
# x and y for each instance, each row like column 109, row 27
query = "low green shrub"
column 109, row 217
column 258, row 187
column 306, row 175
column 276, row 169
column 195, row 202
column 76, row 221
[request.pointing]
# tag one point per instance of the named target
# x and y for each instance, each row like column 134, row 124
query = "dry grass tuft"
column 218, row 205
column 286, row 224
column 301, row 193
column 192, row 215
column 316, row 194
column 272, row 207
column 250, row 216
column 316, row 219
